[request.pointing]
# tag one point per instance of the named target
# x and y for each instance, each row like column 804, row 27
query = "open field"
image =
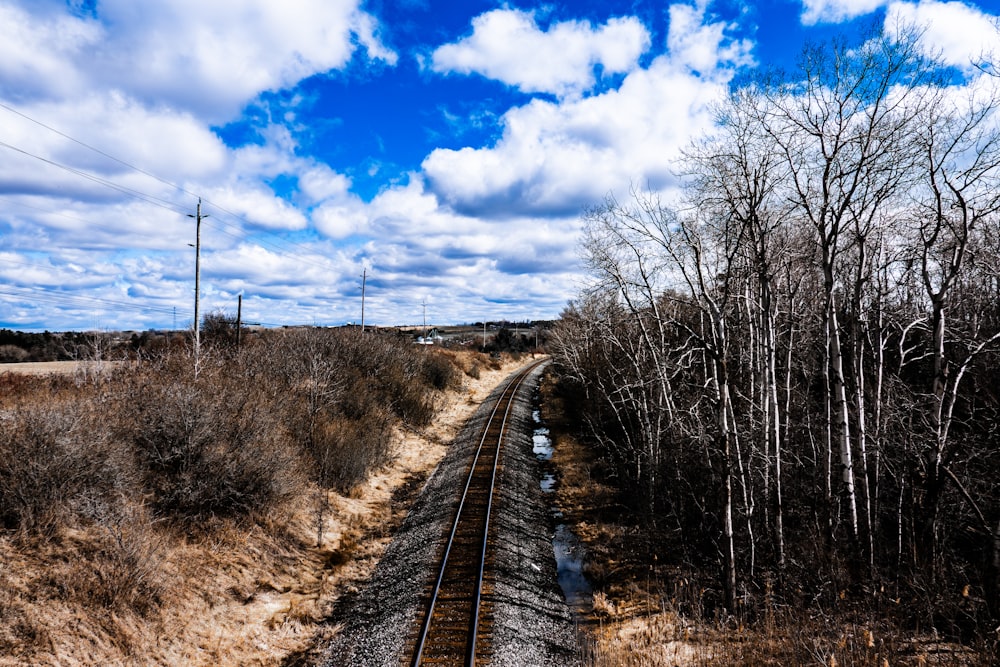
column 56, row 367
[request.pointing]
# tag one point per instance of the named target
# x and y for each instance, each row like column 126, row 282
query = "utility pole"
column 239, row 320
column 364, row 279
column 197, row 281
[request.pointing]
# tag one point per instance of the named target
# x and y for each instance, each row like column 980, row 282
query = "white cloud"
column 555, row 159
column 257, row 205
column 962, row 35
column 209, row 58
column 41, row 57
column 836, row 11
column 703, row 46
column 507, row 45
column 340, row 219
column 174, row 145
column 318, row 182
column 463, row 265
column 216, row 56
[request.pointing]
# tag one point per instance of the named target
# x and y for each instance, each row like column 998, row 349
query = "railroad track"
column 456, row 626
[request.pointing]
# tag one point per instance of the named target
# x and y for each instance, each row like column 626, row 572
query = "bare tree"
column 737, row 176
column 843, row 130
column 958, row 195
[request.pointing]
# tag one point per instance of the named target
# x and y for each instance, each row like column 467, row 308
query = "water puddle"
column 548, row 485
column 569, row 564
column 541, row 444
column 566, row 545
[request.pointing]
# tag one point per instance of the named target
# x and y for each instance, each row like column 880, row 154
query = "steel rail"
column 505, row 399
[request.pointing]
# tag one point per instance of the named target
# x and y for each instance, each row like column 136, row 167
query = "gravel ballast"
column 532, row 624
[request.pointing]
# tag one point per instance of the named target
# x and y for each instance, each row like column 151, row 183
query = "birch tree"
column 843, row 131
column 737, row 175
column 959, row 195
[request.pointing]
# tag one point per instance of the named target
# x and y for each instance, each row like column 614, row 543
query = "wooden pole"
column 239, row 320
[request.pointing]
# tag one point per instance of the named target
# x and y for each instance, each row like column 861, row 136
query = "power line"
column 281, row 248
column 96, row 150
column 60, row 298
column 149, row 199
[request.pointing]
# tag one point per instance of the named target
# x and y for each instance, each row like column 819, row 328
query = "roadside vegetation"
column 788, row 380
column 125, row 492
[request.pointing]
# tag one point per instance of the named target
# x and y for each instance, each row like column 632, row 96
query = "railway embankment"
column 531, row 623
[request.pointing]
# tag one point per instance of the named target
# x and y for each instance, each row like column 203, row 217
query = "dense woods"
column 793, row 369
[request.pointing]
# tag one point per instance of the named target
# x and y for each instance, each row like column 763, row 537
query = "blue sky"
column 446, row 148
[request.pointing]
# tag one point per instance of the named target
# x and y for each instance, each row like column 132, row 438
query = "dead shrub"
column 345, row 451
column 412, row 403
column 121, row 569
column 440, row 373
column 13, row 353
column 21, row 637
column 206, row 452
column 51, row 463
column 225, row 442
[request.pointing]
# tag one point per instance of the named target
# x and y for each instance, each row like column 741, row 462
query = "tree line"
column 793, row 365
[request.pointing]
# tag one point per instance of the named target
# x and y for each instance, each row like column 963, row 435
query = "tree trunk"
column 842, row 418
column 992, row 579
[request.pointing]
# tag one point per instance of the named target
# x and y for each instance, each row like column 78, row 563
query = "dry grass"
column 58, row 367
column 112, row 581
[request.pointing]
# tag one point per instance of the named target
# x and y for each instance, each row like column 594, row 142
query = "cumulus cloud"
column 465, row 267
column 702, row 46
column 40, row 57
column 215, row 56
column 258, row 206
column 961, row 35
column 172, row 144
column 209, row 58
column 837, row 11
column 555, row 159
column 508, row 45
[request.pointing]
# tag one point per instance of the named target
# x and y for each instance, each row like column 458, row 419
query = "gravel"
column 532, row 624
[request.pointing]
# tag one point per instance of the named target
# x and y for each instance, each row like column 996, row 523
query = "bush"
column 227, row 442
column 21, row 637
column 345, row 451
column 12, row 353
column 52, row 464
column 207, row 452
column 118, row 567
column 440, row 373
